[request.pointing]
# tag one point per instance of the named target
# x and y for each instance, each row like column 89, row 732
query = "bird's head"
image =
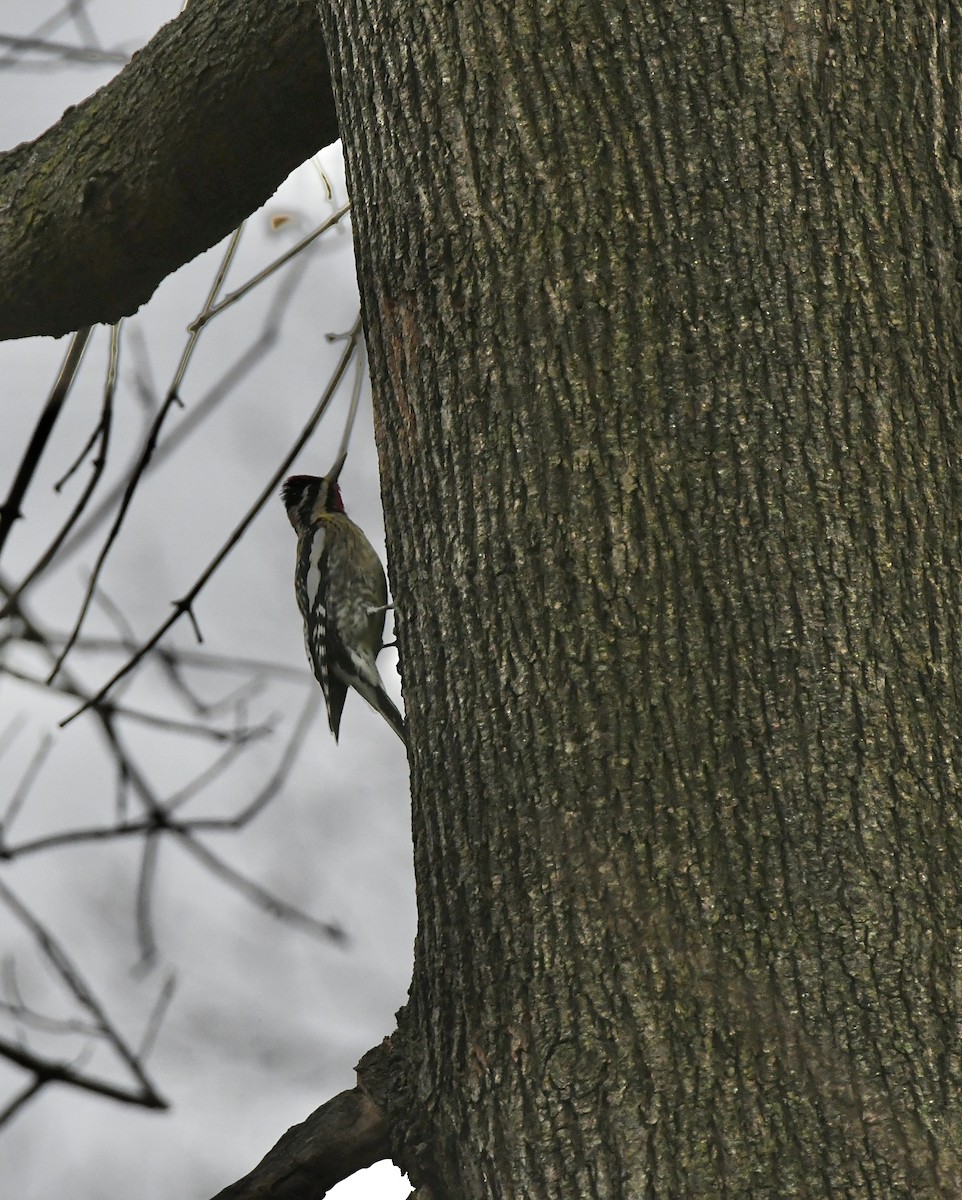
column 308, row 497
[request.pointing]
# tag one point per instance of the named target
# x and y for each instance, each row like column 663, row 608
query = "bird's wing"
column 312, row 601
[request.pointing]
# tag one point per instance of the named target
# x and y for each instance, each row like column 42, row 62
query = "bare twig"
column 128, row 775
column 146, row 454
column 232, row 297
column 240, row 735
column 22, row 1098
column 59, row 50
column 36, row 1020
column 77, row 837
column 22, row 790
column 351, row 413
column 103, row 425
column 102, row 432
column 77, row 986
column 258, row 895
column 146, row 941
column 201, row 409
column 157, row 1014
column 10, row 509
column 193, row 331
column 73, row 12
column 52, row 1071
column 204, row 660
column 76, row 11
column 182, row 606
column 284, row 766
column 161, row 819
column 204, row 779
column 17, row 1008
column 169, row 665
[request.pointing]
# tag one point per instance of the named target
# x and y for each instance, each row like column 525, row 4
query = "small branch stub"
column 344, row 1135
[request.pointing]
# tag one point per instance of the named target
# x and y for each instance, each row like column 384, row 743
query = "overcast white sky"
column 266, row 1022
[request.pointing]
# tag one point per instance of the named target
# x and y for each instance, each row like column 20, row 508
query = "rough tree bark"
column 664, row 322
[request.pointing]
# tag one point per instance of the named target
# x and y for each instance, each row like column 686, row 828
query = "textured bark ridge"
column 664, row 323
column 152, row 169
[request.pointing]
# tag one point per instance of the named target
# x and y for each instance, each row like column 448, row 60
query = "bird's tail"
column 388, row 710
column 381, row 702
column 364, row 678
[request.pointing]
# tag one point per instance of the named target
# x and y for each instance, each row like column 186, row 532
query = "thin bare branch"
column 18, row 1008
column 22, row 1098
column 75, row 983
column 285, row 765
column 193, row 331
column 232, row 297
column 64, row 1025
column 146, row 876
column 77, row 837
column 61, row 51
column 205, row 660
column 52, row 1071
column 129, row 777
column 103, row 425
column 22, row 790
column 36, row 1020
column 240, row 735
column 74, row 12
column 160, row 820
column 156, row 1018
column 102, row 432
column 77, row 11
column 146, row 454
column 258, row 895
column 184, row 605
column 203, row 780
column 194, row 624
column 201, row 409
column 10, row 509
column 169, row 665
column 351, row 413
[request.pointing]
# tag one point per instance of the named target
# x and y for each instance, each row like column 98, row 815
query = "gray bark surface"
column 664, row 322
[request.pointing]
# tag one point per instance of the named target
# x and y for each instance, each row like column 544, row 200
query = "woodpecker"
column 342, row 594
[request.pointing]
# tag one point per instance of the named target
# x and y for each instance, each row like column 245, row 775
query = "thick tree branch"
column 342, row 1136
column 160, row 164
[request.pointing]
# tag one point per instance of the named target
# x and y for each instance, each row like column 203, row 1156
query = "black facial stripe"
column 300, row 494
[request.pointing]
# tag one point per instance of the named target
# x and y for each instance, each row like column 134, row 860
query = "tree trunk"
column 664, row 324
